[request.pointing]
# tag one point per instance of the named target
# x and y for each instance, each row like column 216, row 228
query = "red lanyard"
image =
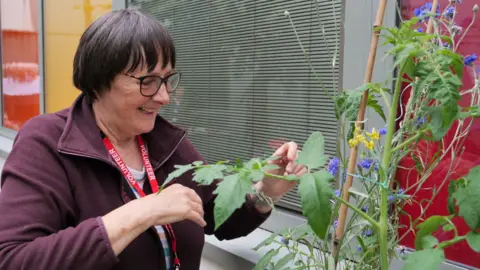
column 151, row 178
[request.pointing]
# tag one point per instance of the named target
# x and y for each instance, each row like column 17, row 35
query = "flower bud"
column 286, row 13
column 475, row 8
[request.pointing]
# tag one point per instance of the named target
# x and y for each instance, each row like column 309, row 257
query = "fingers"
column 292, row 151
column 196, row 214
column 288, row 150
column 295, row 169
column 193, row 196
column 197, row 218
column 183, row 203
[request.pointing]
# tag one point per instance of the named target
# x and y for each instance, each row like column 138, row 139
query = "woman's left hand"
column 275, row 188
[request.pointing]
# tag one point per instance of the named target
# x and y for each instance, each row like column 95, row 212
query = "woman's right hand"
column 175, row 203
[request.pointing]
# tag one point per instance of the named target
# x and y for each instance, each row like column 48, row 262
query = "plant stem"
column 360, row 212
column 387, row 155
column 451, row 242
column 408, row 141
column 269, row 175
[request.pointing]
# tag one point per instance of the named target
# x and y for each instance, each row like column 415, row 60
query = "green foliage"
column 231, row 194
column 429, row 226
column 473, row 240
column 427, row 259
column 315, row 193
column 348, row 102
column 235, row 182
column 468, row 199
column 435, row 68
column 265, row 260
column 312, row 155
column 206, row 175
column 280, row 265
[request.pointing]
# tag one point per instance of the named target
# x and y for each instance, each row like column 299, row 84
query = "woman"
column 75, row 192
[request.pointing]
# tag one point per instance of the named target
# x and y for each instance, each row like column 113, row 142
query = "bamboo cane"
column 360, row 118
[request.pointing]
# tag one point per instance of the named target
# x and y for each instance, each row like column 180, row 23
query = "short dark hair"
column 119, row 40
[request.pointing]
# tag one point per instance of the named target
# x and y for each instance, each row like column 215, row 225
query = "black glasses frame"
column 162, row 81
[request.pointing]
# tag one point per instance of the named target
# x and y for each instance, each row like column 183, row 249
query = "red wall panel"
column 471, row 44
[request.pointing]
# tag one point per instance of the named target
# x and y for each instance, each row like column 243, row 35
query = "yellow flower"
column 361, row 138
column 375, row 135
column 370, row 145
column 353, row 142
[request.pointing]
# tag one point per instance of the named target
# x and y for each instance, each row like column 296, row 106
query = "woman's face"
column 134, row 113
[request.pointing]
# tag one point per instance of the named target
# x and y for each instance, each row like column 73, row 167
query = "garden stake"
column 360, row 118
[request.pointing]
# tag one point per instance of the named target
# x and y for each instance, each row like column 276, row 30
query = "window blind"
column 246, row 87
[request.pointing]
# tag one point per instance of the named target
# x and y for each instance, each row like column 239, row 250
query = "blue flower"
column 420, row 30
column 401, row 191
column 425, row 9
column 449, row 12
column 359, row 248
column 420, row 121
column 335, row 224
column 391, row 198
column 470, row 59
column 383, row 131
column 368, row 163
column 333, row 166
column 417, row 12
column 285, row 241
column 337, row 192
column 365, row 208
column 367, row 233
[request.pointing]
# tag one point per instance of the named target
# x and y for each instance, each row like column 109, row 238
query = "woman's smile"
column 147, row 110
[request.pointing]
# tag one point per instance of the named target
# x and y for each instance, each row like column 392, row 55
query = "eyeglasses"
column 150, row 84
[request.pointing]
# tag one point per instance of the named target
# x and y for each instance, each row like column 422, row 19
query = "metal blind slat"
column 245, row 82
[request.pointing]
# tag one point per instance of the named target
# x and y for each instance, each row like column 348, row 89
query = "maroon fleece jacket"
column 59, row 180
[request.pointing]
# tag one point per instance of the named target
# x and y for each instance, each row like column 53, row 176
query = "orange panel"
column 20, row 64
column 64, row 23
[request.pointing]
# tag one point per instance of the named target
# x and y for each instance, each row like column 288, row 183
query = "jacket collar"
column 82, row 137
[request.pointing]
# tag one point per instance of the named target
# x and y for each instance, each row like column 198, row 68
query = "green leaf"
column 468, row 199
column 266, row 242
column 301, row 231
column 312, row 154
column 254, row 164
column 473, row 240
column 207, row 174
column 265, row 260
column 180, row 169
column 372, row 102
column 428, row 259
column 198, row 163
column 231, row 194
column 452, row 188
column 220, row 162
column 315, row 193
column 354, row 191
column 291, row 177
column 429, row 226
column 257, row 175
column 429, row 241
column 448, row 227
column 283, row 261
